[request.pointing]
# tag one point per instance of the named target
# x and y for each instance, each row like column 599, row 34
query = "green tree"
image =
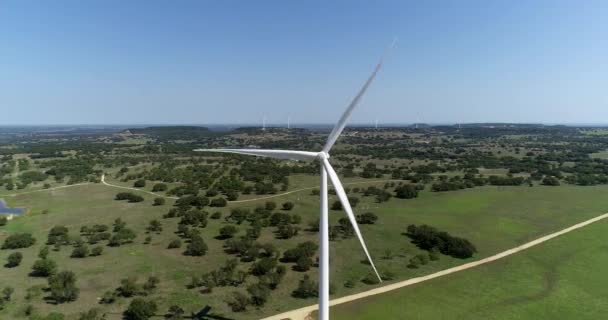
column 196, row 247
column 63, row 287
column 44, row 268
column 227, row 232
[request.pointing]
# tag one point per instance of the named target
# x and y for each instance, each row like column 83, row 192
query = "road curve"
column 305, row 312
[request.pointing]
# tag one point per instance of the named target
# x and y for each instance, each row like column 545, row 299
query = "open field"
column 494, row 218
column 559, row 279
column 495, row 187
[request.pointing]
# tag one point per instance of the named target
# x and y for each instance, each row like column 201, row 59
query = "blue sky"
column 116, row 62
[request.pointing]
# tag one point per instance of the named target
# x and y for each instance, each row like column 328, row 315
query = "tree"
column 44, row 268
column 196, row 247
column 406, row 191
column 18, row 241
column 159, row 201
column 63, row 287
column 140, row 309
column 139, row 183
column 227, row 232
column 288, row 205
column 14, row 259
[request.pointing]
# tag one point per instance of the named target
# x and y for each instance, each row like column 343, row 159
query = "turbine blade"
column 277, row 154
column 335, row 133
column 349, row 211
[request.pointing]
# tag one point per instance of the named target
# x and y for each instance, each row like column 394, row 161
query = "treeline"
column 429, row 238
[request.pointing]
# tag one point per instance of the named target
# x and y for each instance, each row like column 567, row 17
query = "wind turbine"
column 326, row 171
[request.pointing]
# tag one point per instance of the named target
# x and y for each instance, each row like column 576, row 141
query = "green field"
column 559, row 279
column 493, row 218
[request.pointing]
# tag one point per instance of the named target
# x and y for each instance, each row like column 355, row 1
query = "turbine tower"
column 326, row 171
column 288, row 122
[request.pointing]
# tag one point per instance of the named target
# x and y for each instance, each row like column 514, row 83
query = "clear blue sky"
column 116, row 62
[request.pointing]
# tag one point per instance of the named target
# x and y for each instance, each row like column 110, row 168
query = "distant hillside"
column 172, row 132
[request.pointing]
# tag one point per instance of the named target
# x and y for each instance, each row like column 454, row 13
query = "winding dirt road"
column 305, row 312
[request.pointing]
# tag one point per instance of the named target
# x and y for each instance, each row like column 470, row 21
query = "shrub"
column 80, row 252
column 92, row 314
column 140, row 309
column 97, row 251
column 159, row 187
column 3, row 220
column 259, row 293
column 216, row 215
column 238, row 302
column 406, row 191
column 227, row 232
column 18, row 241
column 139, row 183
column 307, row 288
column 14, row 259
column 371, row 278
column 159, row 201
column 288, row 205
column 176, row 243
column 218, row 202
column 367, row 218
column 303, row 264
column 550, row 181
column 270, row 205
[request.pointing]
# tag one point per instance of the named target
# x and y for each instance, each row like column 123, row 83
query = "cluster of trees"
column 129, row 196
column 429, row 238
column 18, row 241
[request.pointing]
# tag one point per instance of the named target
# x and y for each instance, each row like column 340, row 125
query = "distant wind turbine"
column 326, row 170
column 288, row 122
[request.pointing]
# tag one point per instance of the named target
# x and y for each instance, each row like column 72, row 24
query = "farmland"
column 477, row 184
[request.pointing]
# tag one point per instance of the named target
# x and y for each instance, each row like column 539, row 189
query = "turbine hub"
column 323, row 155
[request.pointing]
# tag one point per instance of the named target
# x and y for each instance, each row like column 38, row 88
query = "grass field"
column 560, row 279
column 493, row 218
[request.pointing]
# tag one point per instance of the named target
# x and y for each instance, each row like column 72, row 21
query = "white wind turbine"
column 326, row 170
